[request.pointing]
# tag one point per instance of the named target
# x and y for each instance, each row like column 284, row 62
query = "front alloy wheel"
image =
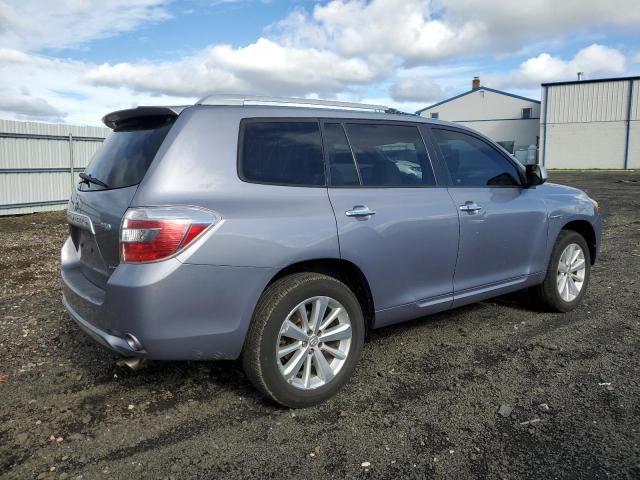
column 567, row 275
column 571, row 272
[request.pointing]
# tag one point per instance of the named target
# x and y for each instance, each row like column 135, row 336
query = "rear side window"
column 282, row 153
column 472, row 162
column 390, row 155
column 125, row 156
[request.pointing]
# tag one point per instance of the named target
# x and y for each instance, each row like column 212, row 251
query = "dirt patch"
column 423, row 403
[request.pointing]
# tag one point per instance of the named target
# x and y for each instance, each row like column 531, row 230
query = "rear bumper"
column 116, row 343
column 177, row 311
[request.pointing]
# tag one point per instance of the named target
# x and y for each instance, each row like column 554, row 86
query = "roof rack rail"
column 285, row 101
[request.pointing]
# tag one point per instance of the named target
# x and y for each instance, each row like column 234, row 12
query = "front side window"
column 282, row 153
column 473, row 162
column 509, row 146
column 390, row 155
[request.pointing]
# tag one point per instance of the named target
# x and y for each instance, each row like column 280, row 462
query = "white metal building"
column 591, row 124
column 40, row 162
column 511, row 120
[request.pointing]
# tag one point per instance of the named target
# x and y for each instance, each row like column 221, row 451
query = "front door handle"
column 470, row 207
column 360, row 211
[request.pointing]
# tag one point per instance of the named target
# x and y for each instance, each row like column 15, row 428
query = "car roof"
column 276, row 111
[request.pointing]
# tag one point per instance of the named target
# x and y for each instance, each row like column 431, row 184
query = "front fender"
column 573, row 208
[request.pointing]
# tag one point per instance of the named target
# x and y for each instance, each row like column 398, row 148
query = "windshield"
column 125, row 156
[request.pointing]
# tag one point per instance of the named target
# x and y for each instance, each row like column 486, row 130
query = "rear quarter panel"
column 261, row 225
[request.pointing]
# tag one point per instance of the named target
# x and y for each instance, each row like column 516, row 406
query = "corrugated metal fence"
column 40, row 162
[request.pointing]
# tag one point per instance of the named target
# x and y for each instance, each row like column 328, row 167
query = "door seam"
column 455, row 266
column 335, row 220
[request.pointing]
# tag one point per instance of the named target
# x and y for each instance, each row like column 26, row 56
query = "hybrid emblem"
column 81, row 220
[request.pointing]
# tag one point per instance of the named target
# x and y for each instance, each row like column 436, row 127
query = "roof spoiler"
column 116, row 119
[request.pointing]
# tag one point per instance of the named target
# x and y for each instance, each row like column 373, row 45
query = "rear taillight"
column 155, row 233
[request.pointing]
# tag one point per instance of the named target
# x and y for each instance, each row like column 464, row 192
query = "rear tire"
column 322, row 352
column 567, row 275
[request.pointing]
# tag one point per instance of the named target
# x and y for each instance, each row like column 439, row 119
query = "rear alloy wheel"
column 567, row 275
column 305, row 339
column 314, row 342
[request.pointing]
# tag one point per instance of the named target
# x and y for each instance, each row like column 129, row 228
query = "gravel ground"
column 492, row 390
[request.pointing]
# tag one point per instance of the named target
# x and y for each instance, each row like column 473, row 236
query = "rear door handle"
column 470, row 207
column 360, row 211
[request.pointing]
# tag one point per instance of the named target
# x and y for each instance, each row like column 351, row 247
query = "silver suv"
column 280, row 231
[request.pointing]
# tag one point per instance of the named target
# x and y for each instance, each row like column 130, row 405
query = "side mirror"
column 536, row 175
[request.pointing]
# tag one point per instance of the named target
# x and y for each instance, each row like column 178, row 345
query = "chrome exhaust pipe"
column 133, row 342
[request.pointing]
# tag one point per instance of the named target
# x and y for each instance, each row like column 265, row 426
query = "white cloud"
column 423, row 30
column 9, row 55
column 262, row 67
column 403, row 28
column 594, row 60
column 27, row 107
column 33, row 25
column 34, row 79
column 403, row 52
column 422, row 90
column 520, row 19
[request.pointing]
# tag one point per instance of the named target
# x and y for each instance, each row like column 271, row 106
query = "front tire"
column 567, row 275
column 305, row 339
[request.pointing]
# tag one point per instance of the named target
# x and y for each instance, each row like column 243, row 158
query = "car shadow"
column 520, row 301
column 176, row 382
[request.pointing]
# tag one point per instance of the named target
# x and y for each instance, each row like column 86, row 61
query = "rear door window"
column 125, row 156
column 390, row 155
column 282, row 153
column 342, row 170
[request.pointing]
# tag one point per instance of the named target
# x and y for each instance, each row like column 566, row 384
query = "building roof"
column 595, row 80
column 493, row 90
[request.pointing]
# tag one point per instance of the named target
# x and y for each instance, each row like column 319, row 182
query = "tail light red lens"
column 156, row 233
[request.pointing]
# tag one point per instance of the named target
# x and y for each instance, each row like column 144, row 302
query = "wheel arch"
column 343, row 270
column 586, row 230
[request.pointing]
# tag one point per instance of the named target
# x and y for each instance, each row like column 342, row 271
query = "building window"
column 434, row 115
column 526, row 113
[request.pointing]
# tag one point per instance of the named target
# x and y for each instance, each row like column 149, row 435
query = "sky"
column 73, row 61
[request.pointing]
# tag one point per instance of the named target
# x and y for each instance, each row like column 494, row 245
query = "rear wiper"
column 87, row 178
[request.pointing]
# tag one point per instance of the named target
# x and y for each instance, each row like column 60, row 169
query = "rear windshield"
column 125, row 156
